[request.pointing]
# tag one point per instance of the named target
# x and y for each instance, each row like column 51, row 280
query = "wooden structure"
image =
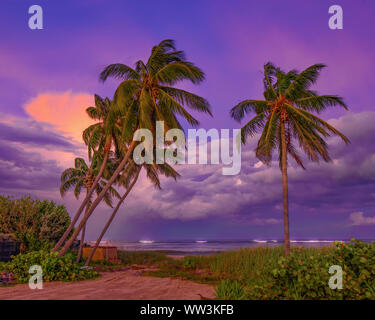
column 101, row 253
column 8, row 247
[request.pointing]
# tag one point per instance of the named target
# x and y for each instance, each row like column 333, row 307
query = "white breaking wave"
column 312, row 241
column 146, row 241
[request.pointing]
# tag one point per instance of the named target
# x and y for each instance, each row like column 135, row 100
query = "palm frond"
column 169, row 102
column 118, row 71
column 303, row 81
column 68, row 184
column 178, row 71
column 252, row 127
column 246, row 107
column 189, row 99
column 320, row 103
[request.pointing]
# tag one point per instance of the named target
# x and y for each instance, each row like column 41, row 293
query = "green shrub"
column 2, row 265
column 358, row 259
column 305, row 274
column 54, row 268
column 229, row 290
column 36, row 224
column 302, row 277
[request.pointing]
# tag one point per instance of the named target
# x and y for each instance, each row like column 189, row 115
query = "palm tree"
column 146, row 95
column 284, row 118
column 99, row 138
column 82, row 177
column 131, row 174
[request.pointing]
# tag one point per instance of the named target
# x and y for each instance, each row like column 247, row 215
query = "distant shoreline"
column 207, row 248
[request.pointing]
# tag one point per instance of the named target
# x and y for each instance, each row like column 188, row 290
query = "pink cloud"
column 65, row 111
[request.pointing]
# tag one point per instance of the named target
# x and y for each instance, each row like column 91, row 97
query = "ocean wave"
column 146, row 241
column 312, row 241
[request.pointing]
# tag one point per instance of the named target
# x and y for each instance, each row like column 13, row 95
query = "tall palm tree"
column 99, row 139
column 285, row 119
column 146, row 95
column 82, row 177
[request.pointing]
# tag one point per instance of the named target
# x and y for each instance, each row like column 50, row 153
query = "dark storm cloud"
column 22, row 168
column 25, row 170
column 325, row 193
column 31, row 133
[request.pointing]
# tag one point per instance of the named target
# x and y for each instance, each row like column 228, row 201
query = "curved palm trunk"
column 111, row 218
column 79, row 256
column 83, row 205
column 98, row 199
column 284, row 171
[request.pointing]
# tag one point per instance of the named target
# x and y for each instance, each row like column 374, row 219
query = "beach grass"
column 143, row 257
column 244, row 265
column 265, row 273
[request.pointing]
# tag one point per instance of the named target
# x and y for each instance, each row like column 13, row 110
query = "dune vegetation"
column 265, row 272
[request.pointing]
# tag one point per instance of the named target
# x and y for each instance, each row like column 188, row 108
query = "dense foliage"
column 265, row 273
column 36, row 224
column 302, row 276
column 54, row 268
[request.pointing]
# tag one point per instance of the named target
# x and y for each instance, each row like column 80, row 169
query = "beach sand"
column 119, row 285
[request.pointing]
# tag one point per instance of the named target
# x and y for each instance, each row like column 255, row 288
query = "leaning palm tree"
column 99, row 139
column 127, row 180
column 82, row 177
column 285, row 119
column 105, row 133
column 146, row 95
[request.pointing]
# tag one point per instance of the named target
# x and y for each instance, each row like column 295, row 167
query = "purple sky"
column 230, row 41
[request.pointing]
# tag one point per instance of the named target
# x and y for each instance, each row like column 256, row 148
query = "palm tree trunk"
column 111, row 218
column 284, row 171
column 79, row 256
column 83, row 205
column 98, row 199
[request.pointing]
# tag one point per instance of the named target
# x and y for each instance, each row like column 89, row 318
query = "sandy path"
column 120, row 285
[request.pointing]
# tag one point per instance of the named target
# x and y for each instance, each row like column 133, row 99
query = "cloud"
column 262, row 222
column 32, row 133
column 34, row 153
column 358, row 219
column 65, row 111
column 23, row 171
column 31, row 152
column 203, row 191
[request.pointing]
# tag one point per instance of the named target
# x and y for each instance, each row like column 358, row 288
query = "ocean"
column 203, row 247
